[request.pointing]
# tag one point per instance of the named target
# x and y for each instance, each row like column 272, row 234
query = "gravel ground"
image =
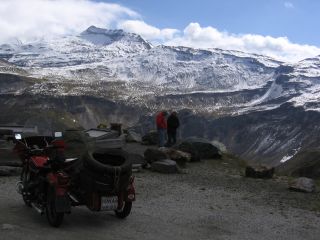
column 211, row 200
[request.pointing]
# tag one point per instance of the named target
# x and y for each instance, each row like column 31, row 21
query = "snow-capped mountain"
column 102, row 67
column 128, row 42
column 116, row 56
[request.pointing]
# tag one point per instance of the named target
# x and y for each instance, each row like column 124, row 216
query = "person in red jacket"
column 161, row 122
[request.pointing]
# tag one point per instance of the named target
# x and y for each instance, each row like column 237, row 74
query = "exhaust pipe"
column 37, row 208
column 19, row 188
column 73, row 198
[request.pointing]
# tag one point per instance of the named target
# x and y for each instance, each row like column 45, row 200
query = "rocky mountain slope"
column 260, row 108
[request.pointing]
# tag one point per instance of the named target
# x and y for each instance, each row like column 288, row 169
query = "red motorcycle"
column 52, row 183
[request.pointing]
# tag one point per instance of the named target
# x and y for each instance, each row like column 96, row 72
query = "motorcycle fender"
column 63, row 204
column 131, row 193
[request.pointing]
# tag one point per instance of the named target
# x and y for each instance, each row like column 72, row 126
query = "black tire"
column 125, row 211
column 54, row 218
column 25, row 178
column 96, row 166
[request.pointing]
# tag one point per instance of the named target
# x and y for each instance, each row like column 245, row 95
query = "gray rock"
column 132, row 136
column 165, row 166
column 178, row 156
column 152, row 155
column 199, row 149
column 189, row 148
column 303, row 184
column 9, row 171
column 259, row 172
column 150, row 138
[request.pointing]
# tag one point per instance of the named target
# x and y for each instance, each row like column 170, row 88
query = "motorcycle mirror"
column 17, row 136
column 58, row 134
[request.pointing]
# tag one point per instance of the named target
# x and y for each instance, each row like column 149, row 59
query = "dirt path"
column 210, row 201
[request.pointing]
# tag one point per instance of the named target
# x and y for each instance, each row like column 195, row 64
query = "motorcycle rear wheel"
column 125, row 211
column 54, row 218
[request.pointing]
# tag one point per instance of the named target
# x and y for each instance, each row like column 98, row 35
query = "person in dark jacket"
column 161, row 127
column 172, row 125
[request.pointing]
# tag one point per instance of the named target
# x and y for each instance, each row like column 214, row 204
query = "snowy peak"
column 100, row 36
column 96, row 30
column 248, row 80
column 309, row 67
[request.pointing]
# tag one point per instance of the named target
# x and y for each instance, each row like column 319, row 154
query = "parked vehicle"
column 52, row 182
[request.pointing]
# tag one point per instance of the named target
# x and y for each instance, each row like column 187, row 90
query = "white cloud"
column 208, row 37
column 288, row 5
column 27, row 20
column 30, row 19
column 147, row 31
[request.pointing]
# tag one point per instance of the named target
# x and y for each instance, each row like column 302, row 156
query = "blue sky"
column 283, row 29
column 296, row 19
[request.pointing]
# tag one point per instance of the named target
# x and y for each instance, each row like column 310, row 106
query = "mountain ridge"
column 122, row 68
column 148, row 71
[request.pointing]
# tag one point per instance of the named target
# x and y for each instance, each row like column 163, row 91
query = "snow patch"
column 289, row 156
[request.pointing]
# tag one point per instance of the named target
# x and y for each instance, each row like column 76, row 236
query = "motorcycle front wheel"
column 54, row 218
column 25, row 180
column 125, row 211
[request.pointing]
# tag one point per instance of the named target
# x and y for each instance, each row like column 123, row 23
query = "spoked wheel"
column 25, row 179
column 125, row 210
column 54, row 218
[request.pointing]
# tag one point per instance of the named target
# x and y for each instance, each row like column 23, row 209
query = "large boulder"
column 178, row 156
column 259, row 172
column 151, row 138
column 199, row 149
column 165, row 166
column 152, row 155
column 303, row 184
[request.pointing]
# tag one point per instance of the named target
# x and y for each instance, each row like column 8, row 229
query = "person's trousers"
column 172, row 137
column 162, row 137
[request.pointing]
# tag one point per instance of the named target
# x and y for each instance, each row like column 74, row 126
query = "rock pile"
column 180, row 157
column 166, row 160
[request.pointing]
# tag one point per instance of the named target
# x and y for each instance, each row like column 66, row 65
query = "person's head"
column 174, row 113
